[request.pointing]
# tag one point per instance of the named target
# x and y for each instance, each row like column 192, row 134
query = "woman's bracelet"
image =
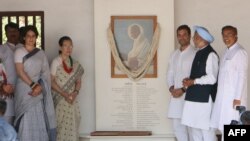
column 32, row 85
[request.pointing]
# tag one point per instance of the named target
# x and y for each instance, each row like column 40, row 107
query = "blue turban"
column 204, row 33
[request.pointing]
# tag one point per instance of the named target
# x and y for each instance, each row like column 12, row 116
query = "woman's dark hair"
column 61, row 40
column 21, row 31
column 30, row 28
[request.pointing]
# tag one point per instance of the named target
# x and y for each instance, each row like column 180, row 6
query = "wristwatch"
column 183, row 89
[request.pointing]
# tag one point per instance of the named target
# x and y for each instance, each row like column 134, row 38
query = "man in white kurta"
column 232, row 81
column 179, row 68
column 201, row 87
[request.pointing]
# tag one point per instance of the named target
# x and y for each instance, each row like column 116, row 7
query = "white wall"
column 75, row 19
column 215, row 14
column 105, row 103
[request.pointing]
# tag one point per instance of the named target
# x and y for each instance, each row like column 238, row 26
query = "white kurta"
column 232, row 84
column 197, row 114
column 179, row 67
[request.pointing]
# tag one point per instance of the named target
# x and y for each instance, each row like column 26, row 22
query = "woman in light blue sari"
column 34, row 110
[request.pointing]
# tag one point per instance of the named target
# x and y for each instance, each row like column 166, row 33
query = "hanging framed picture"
column 134, row 43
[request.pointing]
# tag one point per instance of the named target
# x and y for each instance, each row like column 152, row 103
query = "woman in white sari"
column 66, row 76
column 34, row 110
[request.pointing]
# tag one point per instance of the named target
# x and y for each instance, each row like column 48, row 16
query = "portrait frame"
column 119, row 27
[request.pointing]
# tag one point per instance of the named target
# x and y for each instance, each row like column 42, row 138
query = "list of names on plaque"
column 122, row 111
column 147, row 116
column 134, row 107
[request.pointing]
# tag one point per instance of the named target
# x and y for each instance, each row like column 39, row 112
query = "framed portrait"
column 133, row 36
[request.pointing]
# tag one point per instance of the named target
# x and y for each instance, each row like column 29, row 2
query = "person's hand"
column 177, row 93
column 8, row 88
column 72, row 96
column 133, row 63
column 187, row 82
column 236, row 103
column 68, row 98
column 36, row 90
column 171, row 89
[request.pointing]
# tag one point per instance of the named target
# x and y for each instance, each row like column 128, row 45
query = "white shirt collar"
column 233, row 46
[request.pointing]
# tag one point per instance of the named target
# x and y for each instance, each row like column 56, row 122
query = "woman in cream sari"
column 66, row 82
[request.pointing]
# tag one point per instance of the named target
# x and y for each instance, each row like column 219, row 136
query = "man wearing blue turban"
column 201, row 87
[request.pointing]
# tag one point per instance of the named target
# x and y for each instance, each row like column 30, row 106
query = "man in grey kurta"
column 7, row 57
